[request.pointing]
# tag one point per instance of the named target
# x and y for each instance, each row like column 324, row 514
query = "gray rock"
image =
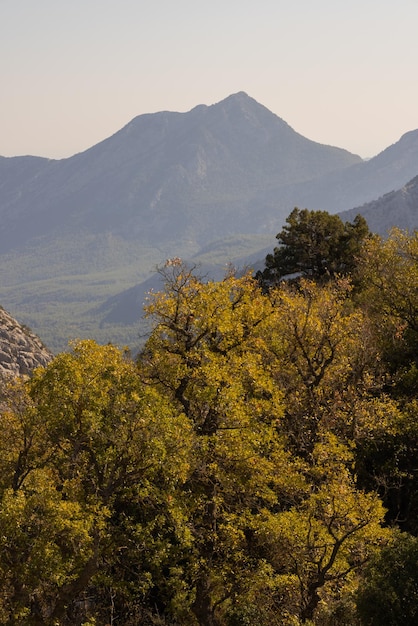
column 21, row 351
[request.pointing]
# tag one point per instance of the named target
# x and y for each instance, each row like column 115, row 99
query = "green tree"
column 328, row 368
column 316, row 245
column 388, row 270
column 327, row 362
column 388, row 595
column 214, row 481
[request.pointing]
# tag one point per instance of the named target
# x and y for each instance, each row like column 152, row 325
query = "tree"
column 327, row 363
column 85, row 487
column 316, row 546
column 316, row 245
column 388, row 270
column 276, row 519
column 388, row 595
column 213, row 481
column 207, row 354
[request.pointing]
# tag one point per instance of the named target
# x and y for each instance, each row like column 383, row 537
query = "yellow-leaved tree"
column 273, row 389
column 324, row 359
column 207, row 353
column 213, row 481
column 88, row 458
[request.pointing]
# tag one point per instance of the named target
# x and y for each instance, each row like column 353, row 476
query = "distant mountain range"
column 214, row 185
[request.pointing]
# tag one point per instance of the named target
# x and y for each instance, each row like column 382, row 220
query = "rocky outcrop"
column 21, row 351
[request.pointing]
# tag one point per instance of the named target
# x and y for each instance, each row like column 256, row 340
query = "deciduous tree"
column 207, row 354
column 91, row 455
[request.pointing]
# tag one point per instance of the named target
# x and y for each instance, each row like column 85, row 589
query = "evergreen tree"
column 316, row 245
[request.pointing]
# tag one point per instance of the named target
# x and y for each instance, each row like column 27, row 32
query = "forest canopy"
column 250, row 466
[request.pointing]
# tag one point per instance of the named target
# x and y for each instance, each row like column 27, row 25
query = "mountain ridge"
column 77, row 231
column 170, row 159
column 391, row 209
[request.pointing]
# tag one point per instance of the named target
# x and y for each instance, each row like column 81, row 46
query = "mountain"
column 21, row 351
column 397, row 208
column 214, row 185
column 363, row 182
column 164, row 175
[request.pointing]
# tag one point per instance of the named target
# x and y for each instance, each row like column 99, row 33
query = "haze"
column 73, row 73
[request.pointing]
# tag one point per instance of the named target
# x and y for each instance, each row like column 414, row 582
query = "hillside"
column 76, row 232
column 363, row 182
column 398, row 208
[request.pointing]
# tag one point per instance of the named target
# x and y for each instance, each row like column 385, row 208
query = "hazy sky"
column 341, row 72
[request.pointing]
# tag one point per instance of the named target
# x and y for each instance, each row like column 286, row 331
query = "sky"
column 74, row 72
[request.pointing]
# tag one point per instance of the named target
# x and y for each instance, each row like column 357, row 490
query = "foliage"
column 388, row 270
column 238, row 362
column 85, row 444
column 389, row 594
column 325, row 359
column 389, row 273
column 316, row 245
column 240, row 471
column 206, row 353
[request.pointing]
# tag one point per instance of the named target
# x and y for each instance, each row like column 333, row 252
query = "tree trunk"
column 202, row 606
column 308, row 610
column 69, row 592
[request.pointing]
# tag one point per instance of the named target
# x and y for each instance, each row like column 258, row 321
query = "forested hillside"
column 255, row 465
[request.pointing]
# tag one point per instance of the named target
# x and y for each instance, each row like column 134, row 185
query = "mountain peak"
column 240, row 96
column 167, row 184
column 410, row 137
column 234, row 98
column 242, row 100
column 235, row 102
